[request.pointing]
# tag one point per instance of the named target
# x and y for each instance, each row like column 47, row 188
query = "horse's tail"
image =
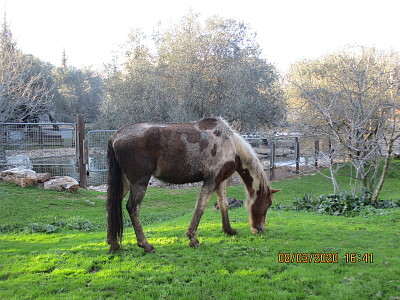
column 114, row 200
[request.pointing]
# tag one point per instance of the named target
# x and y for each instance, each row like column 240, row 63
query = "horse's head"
column 262, row 200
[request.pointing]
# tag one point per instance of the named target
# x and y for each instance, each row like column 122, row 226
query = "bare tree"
column 23, row 89
column 352, row 96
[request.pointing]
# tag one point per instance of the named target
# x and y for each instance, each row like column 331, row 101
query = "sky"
column 90, row 31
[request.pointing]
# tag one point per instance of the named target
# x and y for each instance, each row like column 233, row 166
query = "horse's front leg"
column 202, row 201
column 223, row 207
column 133, row 206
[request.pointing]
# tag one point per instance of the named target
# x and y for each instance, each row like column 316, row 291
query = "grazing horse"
column 207, row 150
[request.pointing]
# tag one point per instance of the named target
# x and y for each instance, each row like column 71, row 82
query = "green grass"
column 72, row 262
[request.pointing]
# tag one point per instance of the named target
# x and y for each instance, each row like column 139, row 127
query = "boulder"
column 62, row 183
column 21, row 176
column 232, row 202
column 43, row 177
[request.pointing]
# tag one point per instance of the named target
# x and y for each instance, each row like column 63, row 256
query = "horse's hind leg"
column 202, row 200
column 138, row 191
column 223, row 207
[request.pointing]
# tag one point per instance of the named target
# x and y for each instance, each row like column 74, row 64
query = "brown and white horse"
column 207, row 150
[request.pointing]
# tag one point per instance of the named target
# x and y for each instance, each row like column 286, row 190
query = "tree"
column 353, row 96
column 24, row 84
column 196, row 70
column 75, row 92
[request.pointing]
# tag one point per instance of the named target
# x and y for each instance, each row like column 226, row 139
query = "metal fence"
column 295, row 153
column 273, row 151
column 97, row 156
column 48, row 147
column 43, row 147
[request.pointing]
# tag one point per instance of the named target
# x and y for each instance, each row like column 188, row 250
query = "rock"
column 232, row 202
column 100, row 188
column 21, row 176
column 43, row 177
column 62, row 183
column 19, row 161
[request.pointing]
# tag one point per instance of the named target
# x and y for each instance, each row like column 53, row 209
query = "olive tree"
column 194, row 70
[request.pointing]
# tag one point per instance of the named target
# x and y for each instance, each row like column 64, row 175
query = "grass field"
column 52, row 246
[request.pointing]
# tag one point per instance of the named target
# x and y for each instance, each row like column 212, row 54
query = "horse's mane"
column 247, row 155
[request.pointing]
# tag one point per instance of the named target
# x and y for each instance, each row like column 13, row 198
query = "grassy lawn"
column 52, row 246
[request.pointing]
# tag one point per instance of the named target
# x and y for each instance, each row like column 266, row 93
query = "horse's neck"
column 252, row 174
column 248, row 166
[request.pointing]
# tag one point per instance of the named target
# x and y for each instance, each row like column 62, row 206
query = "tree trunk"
column 385, row 168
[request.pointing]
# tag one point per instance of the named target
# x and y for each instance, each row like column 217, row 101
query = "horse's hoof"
column 114, row 248
column 230, row 231
column 149, row 249
column 194, row 243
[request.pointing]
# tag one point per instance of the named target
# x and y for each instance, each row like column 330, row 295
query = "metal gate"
column 43, row 147
column 97, row 156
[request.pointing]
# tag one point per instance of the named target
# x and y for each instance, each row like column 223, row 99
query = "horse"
column 208, row 150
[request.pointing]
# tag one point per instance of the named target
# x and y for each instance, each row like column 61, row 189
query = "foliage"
column 75, row 223
column 24, row 82
column 75, row 92
column 195, row 70
column 342, row 204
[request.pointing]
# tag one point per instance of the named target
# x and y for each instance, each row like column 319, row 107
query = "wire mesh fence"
column 97, row 156
column 47, row 147
column 42, row 147
column 286, row 154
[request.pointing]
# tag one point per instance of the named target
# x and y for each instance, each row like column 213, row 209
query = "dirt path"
column 280, row 173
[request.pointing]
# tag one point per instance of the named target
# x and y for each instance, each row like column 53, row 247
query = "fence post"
column 316, row 152
column 272, row 161
column 80, row 131
column 297, row 154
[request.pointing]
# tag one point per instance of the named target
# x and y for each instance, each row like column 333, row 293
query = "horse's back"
column 175, row 153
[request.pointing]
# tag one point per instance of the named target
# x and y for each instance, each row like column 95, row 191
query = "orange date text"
column 306, row 258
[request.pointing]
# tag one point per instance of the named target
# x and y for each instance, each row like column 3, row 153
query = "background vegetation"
column 195, row 69
column 185, row 72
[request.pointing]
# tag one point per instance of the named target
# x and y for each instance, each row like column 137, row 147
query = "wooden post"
column 80, row 131
column 297, row 154
column 272, row 161
column 316, row 152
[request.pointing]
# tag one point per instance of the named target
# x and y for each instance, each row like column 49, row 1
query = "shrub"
column 342, row 204
column 74, row 223
column 79, row 223
column 41, row 228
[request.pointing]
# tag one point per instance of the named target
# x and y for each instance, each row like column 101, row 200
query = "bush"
column 342, row 204
column 74, row 223
column 78, row 223
column 41, row 228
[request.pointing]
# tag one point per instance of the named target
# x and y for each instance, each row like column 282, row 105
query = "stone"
column 21, row 176
column 62, row 183
column 232, row 202
column 43, row 177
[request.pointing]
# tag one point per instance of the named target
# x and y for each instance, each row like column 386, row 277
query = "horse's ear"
column 275, row 191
